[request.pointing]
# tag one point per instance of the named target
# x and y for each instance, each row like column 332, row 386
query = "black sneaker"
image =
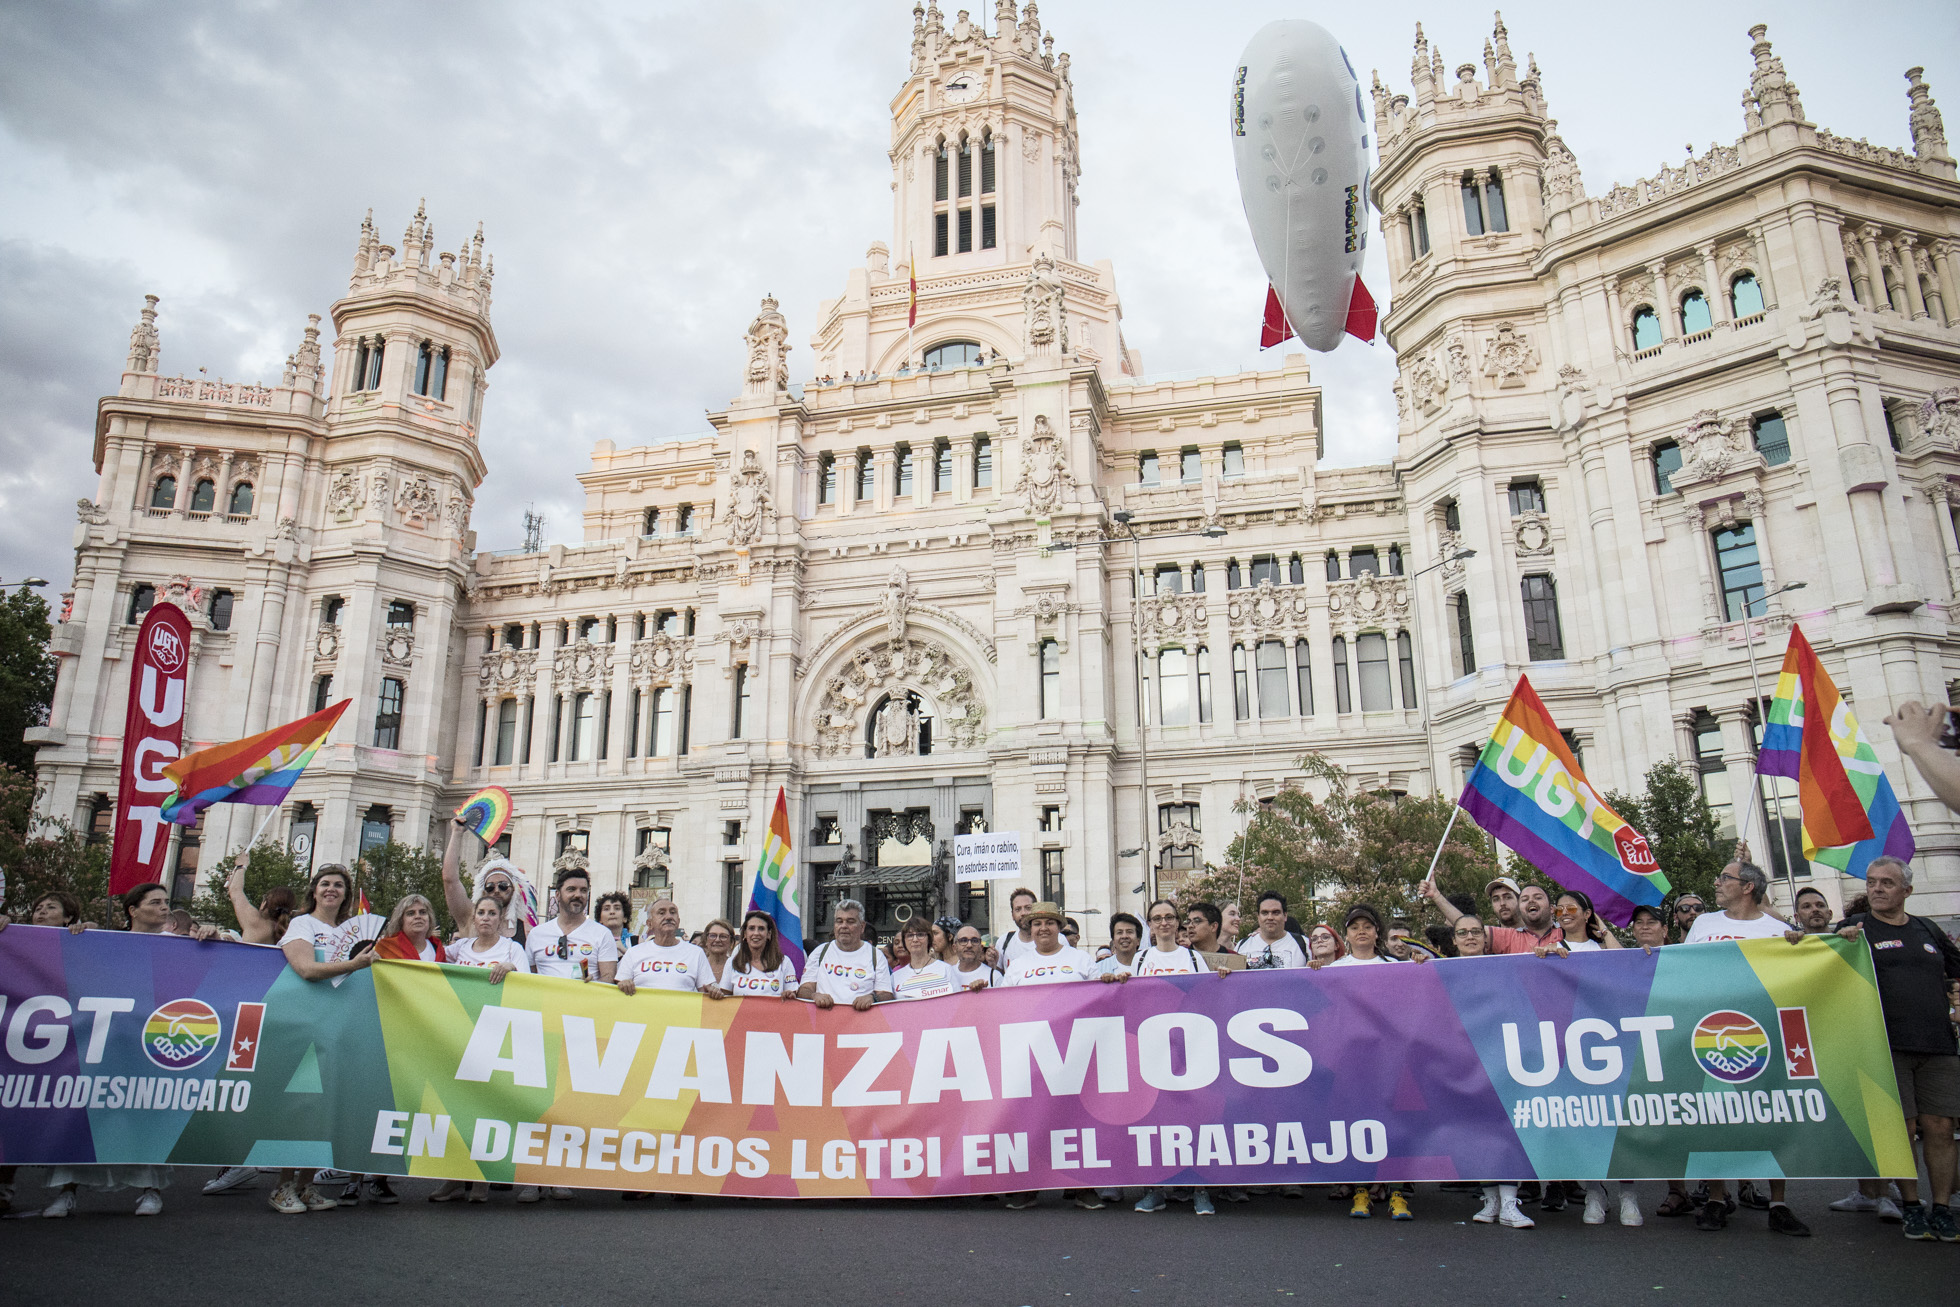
column 1940, row 1222
column 1747, row 1196
column 1712, row 1216
column 1918, row 1225
column 1554, row 1198
column 1784, row 1221
column 380, row 1191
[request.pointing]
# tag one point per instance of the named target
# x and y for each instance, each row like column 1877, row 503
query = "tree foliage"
column 1680, row 829
column 43, row 856
column 1351, row 846
column 268, row 864
column 388, row 871
column 27, row 674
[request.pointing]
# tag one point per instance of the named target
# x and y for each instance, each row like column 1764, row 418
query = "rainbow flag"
column 1529, row 791
column 775, row 883
column 257, row 769
column 911, row 302
column 1850, row 814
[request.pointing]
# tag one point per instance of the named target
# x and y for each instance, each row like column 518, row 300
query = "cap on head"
column 1504, row 881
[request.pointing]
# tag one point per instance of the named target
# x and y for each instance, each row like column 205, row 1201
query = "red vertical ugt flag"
column 153, row 734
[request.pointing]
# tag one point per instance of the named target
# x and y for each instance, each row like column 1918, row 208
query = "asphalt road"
column 945, row 1253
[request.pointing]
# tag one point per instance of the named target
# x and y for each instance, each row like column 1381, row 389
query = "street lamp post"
column 1124, row 518
column 35, row 582
column 1755, row 756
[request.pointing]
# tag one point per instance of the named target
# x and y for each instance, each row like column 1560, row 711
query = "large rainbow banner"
column 1758, row 1058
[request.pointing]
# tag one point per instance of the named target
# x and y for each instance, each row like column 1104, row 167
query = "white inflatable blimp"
column 1300, row 140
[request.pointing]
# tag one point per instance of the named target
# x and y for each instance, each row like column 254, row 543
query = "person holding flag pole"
column 774, row 892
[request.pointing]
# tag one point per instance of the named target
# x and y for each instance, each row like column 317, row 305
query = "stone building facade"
column 954, row 577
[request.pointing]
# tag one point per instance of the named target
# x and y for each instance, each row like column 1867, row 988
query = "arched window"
column 204, row 496
column 322, row 691
column 388, row 715
column 1494, row 202
column 506, row 733
column 1695, row 315
column 164, row 493
column 966, row 166
column 1167, row 580
column 1197, row 578
column 357, row 375
column 1646, row 328
column 953, row 354
column 987, row 162
column 220, row 610
column 1745, row 295
column 920, row 712
column 1405, row 658
column 241, row 500
column 1269, row 660
column 1173, row 687
column 941, row 174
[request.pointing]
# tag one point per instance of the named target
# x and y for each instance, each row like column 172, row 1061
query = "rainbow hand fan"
column 488, row 811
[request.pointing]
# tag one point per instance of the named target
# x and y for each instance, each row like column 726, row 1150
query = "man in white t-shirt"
column 1741, row 890
column 1019, row 940
column 845, row 968
column 972, row 970
column 1051, row 961
column 571, row 944
column 666, row 961
column 1273, row 946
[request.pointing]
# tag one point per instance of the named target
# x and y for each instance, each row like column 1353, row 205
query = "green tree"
column 1350, row 846
column 27, row 672
column 1680, row 829
column 268, row 864
column 39, row 856
column 388, row 871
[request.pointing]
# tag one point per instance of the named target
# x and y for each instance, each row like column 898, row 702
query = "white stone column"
column 1874, row 269
column 1716, row 293
column 1939, row 493
column 1909, row 274
column 1949, row 288
column 1670, row 320
column 1710, row 605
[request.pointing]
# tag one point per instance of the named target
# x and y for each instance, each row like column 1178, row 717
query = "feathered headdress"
column 523, row 909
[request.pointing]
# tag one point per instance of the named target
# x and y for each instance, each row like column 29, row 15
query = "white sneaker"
column 527, row 1193
column 63, row 1205
column 150, row 1204
column 1513, row 1217
column 286, row 1200
column 560, row 1193
column 1888, row 1212
column 1855, row 1202
column 1630, row 1208
column 232, row 1177
column 1487, row 1214
column 1595, row 1206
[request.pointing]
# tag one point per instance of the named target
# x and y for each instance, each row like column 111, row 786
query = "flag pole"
column 1755, row 759
column 1436, row 857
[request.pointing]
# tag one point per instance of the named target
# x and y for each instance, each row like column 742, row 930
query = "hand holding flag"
column 259, row 769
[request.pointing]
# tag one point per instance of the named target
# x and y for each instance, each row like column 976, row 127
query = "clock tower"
column 984, row 150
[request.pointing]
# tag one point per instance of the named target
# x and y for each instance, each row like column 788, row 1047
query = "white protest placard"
column 994, row 855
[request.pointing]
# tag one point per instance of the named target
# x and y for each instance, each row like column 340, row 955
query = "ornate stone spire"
column 145, row 346
column 1419, row 76
column 1506, row 73
column 1771, row 92
column 1928, row 129
column 768, row 340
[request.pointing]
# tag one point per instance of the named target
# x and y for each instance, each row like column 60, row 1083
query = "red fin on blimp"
column 1361, row 313
column 1275, row 328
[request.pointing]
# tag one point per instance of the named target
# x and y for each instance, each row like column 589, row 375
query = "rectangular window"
column 684, row 520
column 660, row 740
column 1241, row 685
column 966, row 231
column 1234, row 460
column 1173, row 687
column 1168, row 580
column 827, row 479
column 1204, row 684
column 1405, row 658
column 966, row 170
column 1343, row 700
column 140, row 600
column 1371, row 665
column 867, row 478
column 902, row 471
column 983, row 463
column 684, row 731
column 1542, row 635
column 1667, row 461
column 1473, row 212
column 1177, row 858
column 1051, row 679
column 377, row 828
column 1466, row 644
column 1051, row 876
column 1265, row 567
column 1494, row 202
column 1233, row 576
column 939, row 234
column 731, row 890
column 942, row 466
column 1333, row 566
column 1147, row 468
column 1190, row 467
column 1364, row 559
column 1527, row 497
column 388, row 715
column 987, row 229
column 482, row 715
column 585, row 726
column 1197, row 578
column 738, row 723
column 1271, row 659
column 941, row 176
column 633, row 724
column 1303, row 677
column 1296, row 570
column 322, row 692
column 1740, row 565
column 605, row 724
column 1714, row 775
column 987, row 167
column 506, row 732
column 1772, row 438
column 530, row 715
column 557, row 725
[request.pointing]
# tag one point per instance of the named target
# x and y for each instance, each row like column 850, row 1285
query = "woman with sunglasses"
column 1580, row 926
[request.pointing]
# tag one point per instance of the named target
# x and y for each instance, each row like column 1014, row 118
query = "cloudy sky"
column 645, row 172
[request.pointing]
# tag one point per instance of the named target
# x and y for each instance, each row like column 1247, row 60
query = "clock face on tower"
column 963, row 87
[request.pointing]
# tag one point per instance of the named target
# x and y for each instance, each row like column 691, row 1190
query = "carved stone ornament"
column 1532, row 533
column 185, row 593
column 895, row 730
column 398, row 648
column 88, row 514
column 661, row 659
column 748, row 501
column 1939, row 419
column 1459, row 361
column 344, row 496
column 894, row 668
column 457, row 513
column 1045, row 478
column 571, row 860
column 768, row 340
column 1448, row 545
column 1168, row 617
column 1427, row 385
column 378, row 491
column 1711, row 446
column 326, row 643
column 1369, row 600
column 1267, row 609
column 1508, row 355
column 416, row 501
column 653, row 858
column 895, row 603
column 1180, row 836
column 581, row 665
column 508, row 672
column 1044, row 310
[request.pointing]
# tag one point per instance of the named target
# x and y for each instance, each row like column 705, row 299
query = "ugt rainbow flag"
column 257, row 769
column 1850, row 814
column 1529, row 791
column 775, row 883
